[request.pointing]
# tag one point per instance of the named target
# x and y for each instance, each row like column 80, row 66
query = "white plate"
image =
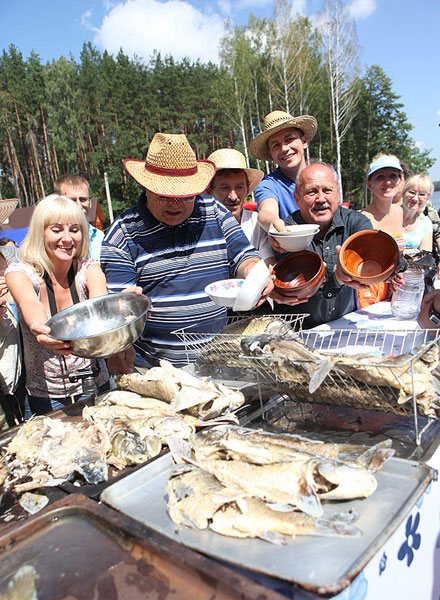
column 253, row 285
column 296, row 230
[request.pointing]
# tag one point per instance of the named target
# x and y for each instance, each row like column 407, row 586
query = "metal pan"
column 80, row 549
column 321, row 565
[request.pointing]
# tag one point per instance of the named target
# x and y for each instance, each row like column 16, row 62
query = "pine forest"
column 84, row 116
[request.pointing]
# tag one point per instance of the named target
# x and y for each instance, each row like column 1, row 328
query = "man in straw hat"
column 173, row 244
column 232, row 183
column 282, row 141
column 317, row 197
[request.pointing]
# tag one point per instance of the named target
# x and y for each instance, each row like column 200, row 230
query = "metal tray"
column 97, row 553
column 321, row 565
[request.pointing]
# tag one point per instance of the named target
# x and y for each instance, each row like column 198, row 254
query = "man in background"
column 77, row 188
column 232, row 183
column 283, row 141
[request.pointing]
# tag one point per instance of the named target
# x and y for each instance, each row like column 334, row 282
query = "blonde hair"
column 421, row 179
column 49, row 210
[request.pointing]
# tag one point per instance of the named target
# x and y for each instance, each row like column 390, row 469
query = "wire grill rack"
column 383, row 370
column 224, row 349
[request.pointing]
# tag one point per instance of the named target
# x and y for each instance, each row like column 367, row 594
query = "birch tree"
column 339, row 41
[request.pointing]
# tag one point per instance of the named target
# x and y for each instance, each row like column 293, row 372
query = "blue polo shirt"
column 173, row 265
column 277, row 185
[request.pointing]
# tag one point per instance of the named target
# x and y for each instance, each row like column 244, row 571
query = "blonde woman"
column 417, row 227
column 53, row 274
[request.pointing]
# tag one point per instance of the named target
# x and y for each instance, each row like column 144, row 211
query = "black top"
column 332, row 300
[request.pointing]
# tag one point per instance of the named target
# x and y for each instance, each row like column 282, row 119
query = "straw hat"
column 275, row 121
column 228, row 158
column 7, row 207
column 171, row 168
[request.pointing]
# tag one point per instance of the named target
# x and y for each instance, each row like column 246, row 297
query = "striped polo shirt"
column 172, row 265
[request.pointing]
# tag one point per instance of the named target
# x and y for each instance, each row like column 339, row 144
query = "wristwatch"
column 434, row 316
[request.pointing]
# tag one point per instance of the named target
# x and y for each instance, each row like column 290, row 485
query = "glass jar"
column 405, row 303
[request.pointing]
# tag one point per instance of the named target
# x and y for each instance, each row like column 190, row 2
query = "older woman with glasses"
column 417, row 227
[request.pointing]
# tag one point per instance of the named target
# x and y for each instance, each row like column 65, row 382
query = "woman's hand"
column 41, row 332
column 122, row 363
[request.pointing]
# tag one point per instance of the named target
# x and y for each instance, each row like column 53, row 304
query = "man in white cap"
column 282, row 141
column 172, row 244
column 232, row 183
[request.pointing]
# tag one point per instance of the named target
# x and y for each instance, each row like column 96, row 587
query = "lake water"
column 435, row 199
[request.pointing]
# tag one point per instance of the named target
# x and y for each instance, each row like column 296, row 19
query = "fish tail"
column 373, row 458
column 320, row 372
column 337, row 525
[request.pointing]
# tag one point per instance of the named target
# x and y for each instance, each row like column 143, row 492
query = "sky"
column 398, row 35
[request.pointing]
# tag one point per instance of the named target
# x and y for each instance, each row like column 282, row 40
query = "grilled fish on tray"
column 246, row 483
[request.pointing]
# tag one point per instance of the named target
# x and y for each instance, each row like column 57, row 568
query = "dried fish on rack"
column 361, row 380
column 224, row 349
column 200, row 397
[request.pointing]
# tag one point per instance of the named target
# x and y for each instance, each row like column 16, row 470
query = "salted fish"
column 197, row 499
column 49, row 451
column 261, row 447
column 252, row 517
column 194, row 496
column 200, row 397
column 292, row 360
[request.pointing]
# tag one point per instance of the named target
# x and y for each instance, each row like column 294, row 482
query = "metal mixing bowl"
column 102, row 326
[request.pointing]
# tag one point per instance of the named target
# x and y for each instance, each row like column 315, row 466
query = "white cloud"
column 421, row 145
column 298, row 7
column 361, row 9
column 438, row 112
column 85, row 21
column 172, row 27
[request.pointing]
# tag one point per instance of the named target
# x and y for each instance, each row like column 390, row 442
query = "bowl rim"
column 238, row 279
column 303, row 285
column 70, row 309
column 313, row 229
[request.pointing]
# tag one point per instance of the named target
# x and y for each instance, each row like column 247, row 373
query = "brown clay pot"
column 299, row 274
column 369, row 256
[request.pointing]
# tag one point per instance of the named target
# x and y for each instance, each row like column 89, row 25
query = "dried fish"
column 48, row 451
column 194, row 496
column 251, row 517
column 261, row 447
column 129, row 449
column 291, row 360
column 224, row 349
column 199, row 397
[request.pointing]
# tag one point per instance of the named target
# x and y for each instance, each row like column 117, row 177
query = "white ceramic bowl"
column 253, row 286
column 225, row 291
column 295, row 242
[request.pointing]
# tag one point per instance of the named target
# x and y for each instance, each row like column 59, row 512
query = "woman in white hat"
column 53, row 274
column 384, row 179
